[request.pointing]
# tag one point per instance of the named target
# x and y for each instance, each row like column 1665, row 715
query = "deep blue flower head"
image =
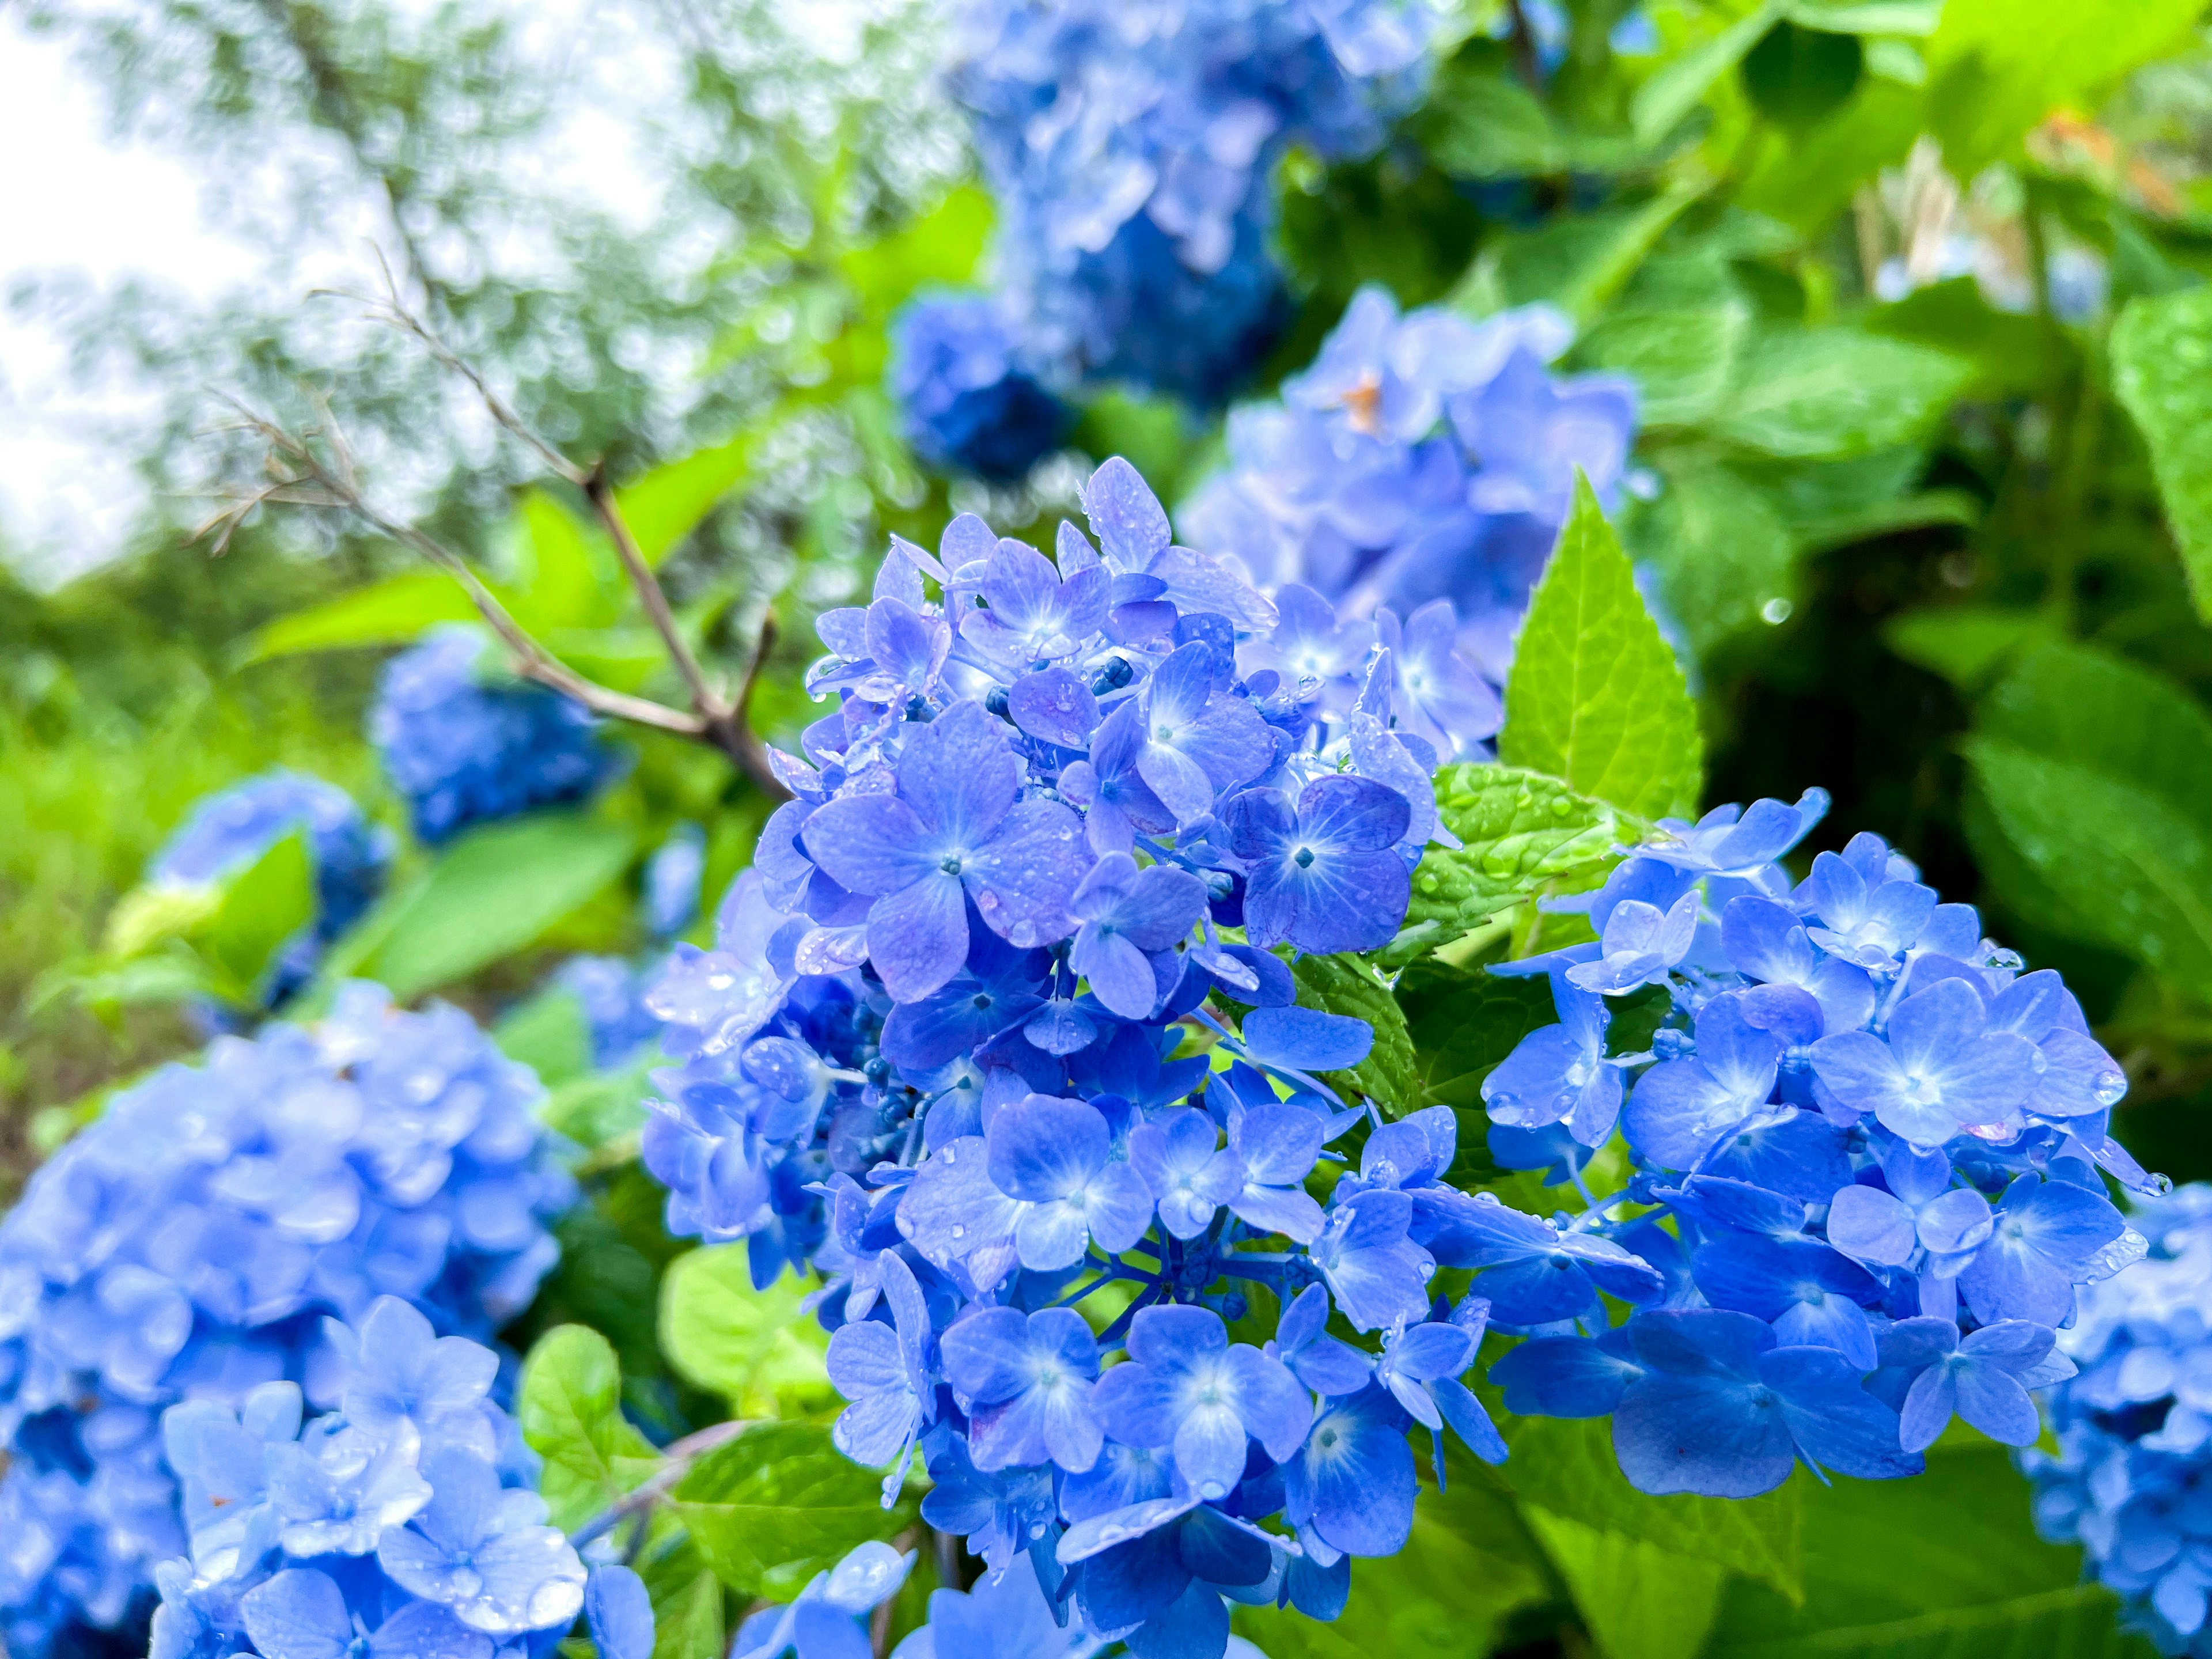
column 1421, row 457
column 465, row 747
column 970, row 404
column 2133, row 1424
column 187, row 1247
column 1873, row 1147
column 1133, row 156
column 405, row 1523
column 228, row 831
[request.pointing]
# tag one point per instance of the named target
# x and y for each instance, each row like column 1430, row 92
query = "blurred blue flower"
column 970, row 404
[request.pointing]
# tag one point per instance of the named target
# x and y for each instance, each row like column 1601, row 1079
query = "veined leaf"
column 1595, row 697
column 1521, row 833
column 1348, row 985
column 1829, row 393
column 2162, row 370
column 1682, row 84
column 779, row 1505
column 1637, row 1600
column 570, row 1413
column 745, row 1345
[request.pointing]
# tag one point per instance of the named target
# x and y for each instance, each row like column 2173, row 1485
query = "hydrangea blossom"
column 465, row 747
column 228, row 831
column 1419, row 457
column 1870, row 1154
column 947, row 1050
column 1132, row 152
column 2134, row 1424
column 188, row 1245
column 971, row 405
column 611, row 993
column 406, row 1521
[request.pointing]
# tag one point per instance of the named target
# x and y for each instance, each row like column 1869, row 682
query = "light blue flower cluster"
column 971, row 400
column 612, row 993
column 1133, row 149
column 187, row 1245
column 1420, row 457
column 950, row 1049
column 2134, row 1464
column 1866, row 1151
column 465, row 747
column 228, row 831
column 404, row 1523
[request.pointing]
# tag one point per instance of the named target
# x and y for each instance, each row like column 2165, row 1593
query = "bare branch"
column 705, row 699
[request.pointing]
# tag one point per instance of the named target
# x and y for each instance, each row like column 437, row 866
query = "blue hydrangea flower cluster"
column 464, row 747
column 611, row 993
column 188, row 1245
column 970, row 399
column 1132, row 150
column 1421, row 457
column 2134, row 1426
column 228, row 831
column 942, row 1051
column 404, row 1522
column 1868, row 1153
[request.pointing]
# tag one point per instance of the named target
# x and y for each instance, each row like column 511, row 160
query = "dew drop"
column 1776, row 611
column 959, row 1231
column 951, row 1155
column 1561, row 807
column 1213, row 1489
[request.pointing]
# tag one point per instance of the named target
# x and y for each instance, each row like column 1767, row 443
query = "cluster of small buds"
column 466, row 746
column 2134, row 1428
column 1878, row 1147
column 1420, row 457
column 1132, row 152
column 229, row 830
column 188, row 1245
column 979, row 1041
column 404, row 1523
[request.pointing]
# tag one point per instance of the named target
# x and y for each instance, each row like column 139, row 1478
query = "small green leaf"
column 1595, row 697
column 779, row 1505
column 668, row 504
column 393, row 612
column 570, row 1413
column 1464, row 1022
column 688, row 1623
column 940, row 249
column 1566, row 1466
column 1726, row 561
column 263, row 907
column 2162, row 371
column 550, row 1034
column 1814, row 394
column 1678, row 87
column 1965, row 644
column 745, row 1345
column 1521, row 834
column 1577, row 262
column 1637, row 1601
column 490, row 893
column 1682, row 358
column 1348, row 985
column 570, row 566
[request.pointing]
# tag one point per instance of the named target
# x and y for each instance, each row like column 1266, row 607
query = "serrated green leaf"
column 1349, row 984
column 1566, row 1466
column 2161, row 353
column 570, row 1412
column 1637, row 1600
column 1464, row 1022
column 1682, row 358
column 1521, row 832
column 1821, row 394
column 393, row 612
column 745, row 1345
column 2075, row 702
column 779, row 1505
column 1468, row 1567
column 263, row 907
column 1945, row 1565
column 1595, row 697
column 490, row 893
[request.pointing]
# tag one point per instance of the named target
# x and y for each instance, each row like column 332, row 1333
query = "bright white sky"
column 72, row 200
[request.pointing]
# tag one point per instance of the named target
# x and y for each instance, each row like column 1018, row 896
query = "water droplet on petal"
column 959, row 1231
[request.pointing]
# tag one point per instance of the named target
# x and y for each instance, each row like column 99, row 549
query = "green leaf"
column 1637, row 1600
column 688, row 1623
column 393, row 612
column 1812, row 394
column 779, row 1505
column 2161, row 353
column 1347, row 984
column 1945, row 1565
column 1965, row 644
column 1464, row 1022
column 1914, row 17
column 1682, row 84
column 668, row 504
column 1521, row 833
column 570, row 1413
column 2092, row 807
column 1683, row 358
column 263, row 907
column 596, row 1109
column 1468, row 1567
column 1577, row 262
column 490, row 893
column 566, row 560
column 1797, row 77
column 1726, row 561
column 550, row 1034
column 745, row 1345
column 1595, row 696
column 940, row 248
column 1566, row 1466
column 1482, row 122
